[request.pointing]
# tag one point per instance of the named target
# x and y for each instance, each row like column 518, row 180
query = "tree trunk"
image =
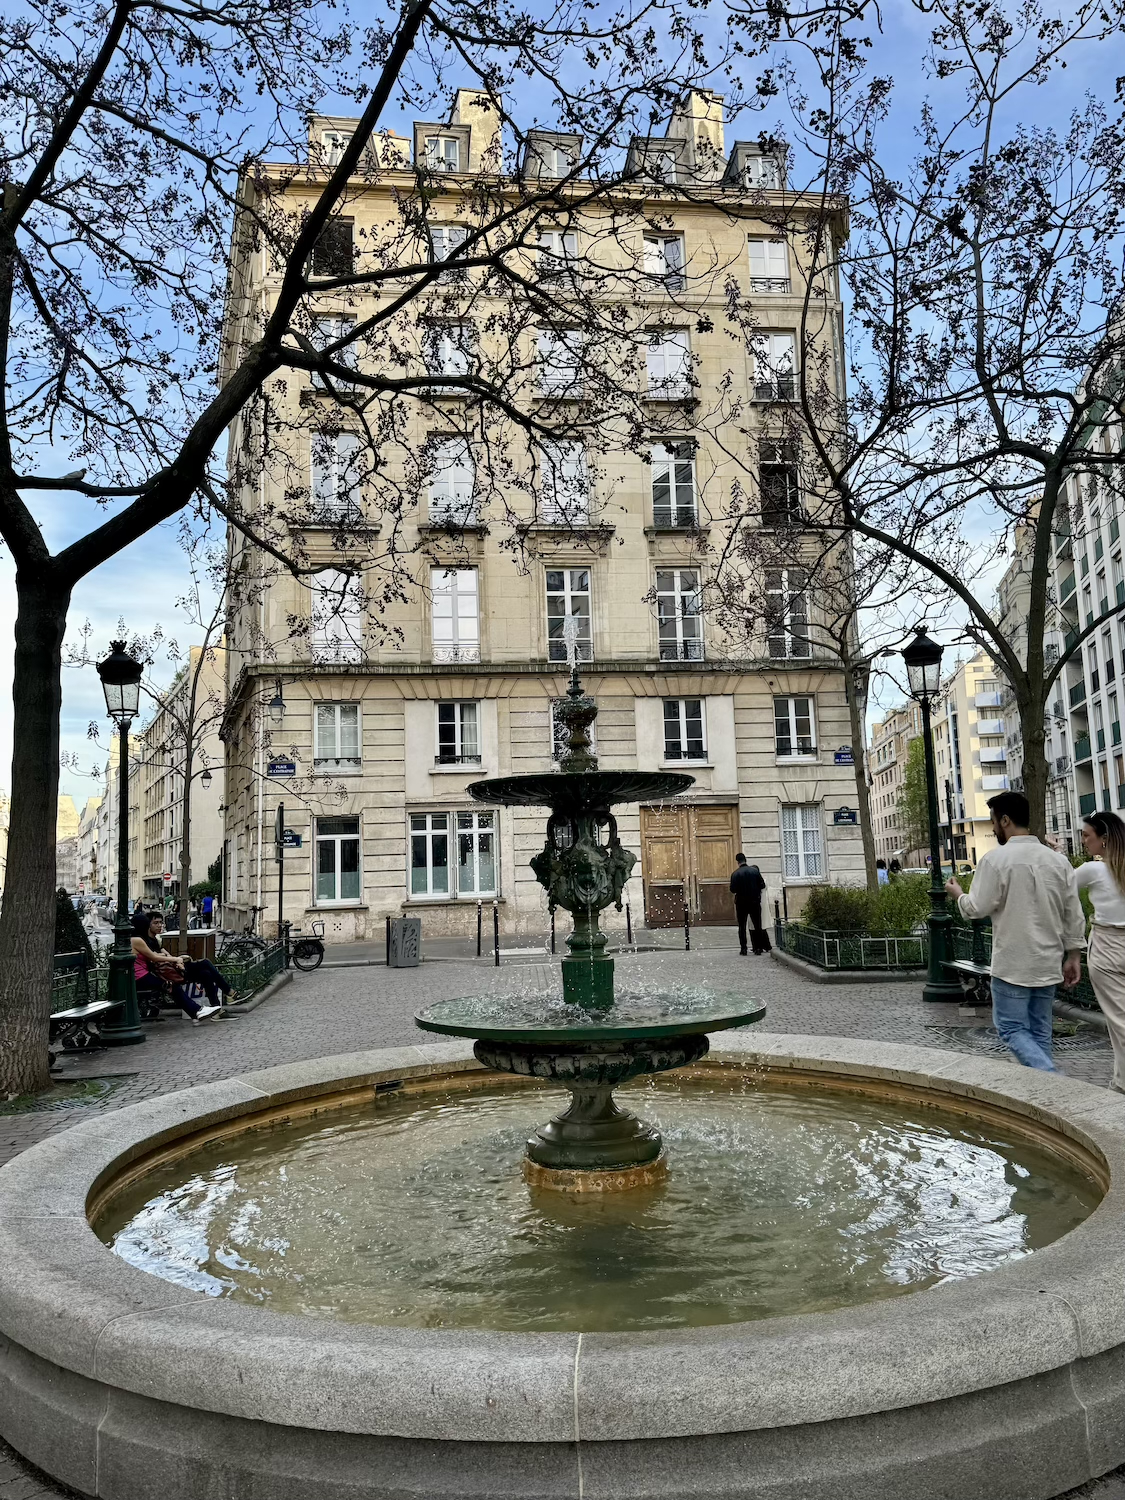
column 856, row 681
column 27, row 933
column 185, row 831
column 1035, row 768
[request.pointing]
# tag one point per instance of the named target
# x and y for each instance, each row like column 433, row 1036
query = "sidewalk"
column 530, row 948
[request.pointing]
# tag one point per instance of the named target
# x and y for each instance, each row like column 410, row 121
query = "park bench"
column 76, row 1016
column 974, row 974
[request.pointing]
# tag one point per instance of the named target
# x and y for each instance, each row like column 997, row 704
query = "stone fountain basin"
column 1009, row 1386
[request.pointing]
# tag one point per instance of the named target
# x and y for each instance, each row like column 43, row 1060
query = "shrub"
column 70, row 935
column 900, row 906
column 839, row 908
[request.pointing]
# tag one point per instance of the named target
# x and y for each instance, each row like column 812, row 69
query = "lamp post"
column 923, row 675
column 121, row 682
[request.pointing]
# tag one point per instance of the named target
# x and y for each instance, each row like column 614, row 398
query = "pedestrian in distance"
column 1038, row 929
column 1103, row 880
column 881, row 872
column 746, row 886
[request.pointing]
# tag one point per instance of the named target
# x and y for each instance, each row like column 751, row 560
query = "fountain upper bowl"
column 578, row 791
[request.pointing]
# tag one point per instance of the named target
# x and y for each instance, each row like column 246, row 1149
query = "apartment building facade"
column 886, row 758
column 87, row 849
column 370, row 743
column 971, row 752
column 108, row 818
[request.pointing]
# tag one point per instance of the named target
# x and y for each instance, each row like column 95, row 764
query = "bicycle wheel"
column 307, row 956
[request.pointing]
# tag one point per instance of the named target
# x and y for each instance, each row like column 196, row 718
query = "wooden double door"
column 687, row 855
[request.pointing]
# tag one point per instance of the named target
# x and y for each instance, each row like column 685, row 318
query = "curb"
column 846, row 976
column 278, row 982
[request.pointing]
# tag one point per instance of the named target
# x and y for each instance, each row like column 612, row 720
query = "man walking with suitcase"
column 746, row 886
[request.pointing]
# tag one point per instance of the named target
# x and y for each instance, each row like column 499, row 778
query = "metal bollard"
column 552, row 930
column 628, row 925
column 496, row 932
column 785, row 905
column 388, row 942
column 687, row 928
column 480, row 924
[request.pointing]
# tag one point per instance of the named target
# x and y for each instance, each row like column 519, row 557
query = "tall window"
column 452, row 501
column 802, row 849
column 446, row 239
column 334, row 251
column 673, row 485
column 664, row 260
column 779, row 484
column 762, row 172
column 337, row 860
column 558, row 252
column 443, row 153
column 787, row 620
column 337, row 617
column 775, row 365
column 458, row 734
column 455, row 614
column 668, row 364
column 769, row 265
column 337, row 743
column 684, row 729
column 679, row 614
column 325, row 332
column 448, row 348
column 474, row 873
column 568, row 594
column 560, row 361
column 794, row 727
column 336, row 477
column 566, row 486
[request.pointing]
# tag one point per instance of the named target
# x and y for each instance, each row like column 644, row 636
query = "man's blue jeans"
column 1022, row 1016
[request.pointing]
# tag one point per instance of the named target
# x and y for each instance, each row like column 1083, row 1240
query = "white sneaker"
column 208, row 1010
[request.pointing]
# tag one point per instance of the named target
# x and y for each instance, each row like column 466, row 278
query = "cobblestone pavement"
column 346, row 1009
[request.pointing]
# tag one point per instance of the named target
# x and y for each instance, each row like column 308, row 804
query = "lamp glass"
column 205, row 779
column 121, row 683
column 923, row 666
column 276, row 706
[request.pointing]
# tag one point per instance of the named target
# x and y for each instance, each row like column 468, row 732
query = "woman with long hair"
column 1103, row 880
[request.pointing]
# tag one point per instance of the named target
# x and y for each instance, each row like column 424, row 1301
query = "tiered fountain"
column 590, row 1039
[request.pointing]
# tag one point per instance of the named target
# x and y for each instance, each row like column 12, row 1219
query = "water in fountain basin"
column 411, row 1211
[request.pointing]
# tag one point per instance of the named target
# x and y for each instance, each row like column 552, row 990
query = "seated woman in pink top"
column 157, row 971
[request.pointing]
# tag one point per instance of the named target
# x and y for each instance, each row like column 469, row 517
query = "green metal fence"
column 850, row 950
column 251, row 973
column 75, row 982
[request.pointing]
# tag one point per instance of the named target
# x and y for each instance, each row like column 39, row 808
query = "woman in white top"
column 1103, row 879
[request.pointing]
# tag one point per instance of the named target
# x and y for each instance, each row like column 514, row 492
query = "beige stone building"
column 886, row 759
column 87, row 848
column 971, row 731
column 370, row 738
column 109, row 821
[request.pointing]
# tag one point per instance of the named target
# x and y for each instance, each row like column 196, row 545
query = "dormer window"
column 557, row 160
column 763, row 172
column 333, row 144
column 443, row 153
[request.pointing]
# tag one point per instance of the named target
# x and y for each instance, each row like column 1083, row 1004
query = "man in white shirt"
column 1038, row 928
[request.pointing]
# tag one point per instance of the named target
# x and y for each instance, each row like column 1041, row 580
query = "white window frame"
column 769, row 264
column 550, row 157
column 446, row 239
column 572, row 593
column 337, row 840
column 762, row 171
column 564, row 484
column 329, row 328
column 680, row 718
column 448, row 351
column 430, row 831
column 343, row 714
column 561, row 376
column 789, row 625
column 451, row 494
column 452, row 825
column 668, row 364
column 792, row 719
column 802, row 841
column 775, row 366
column 673, row 471
column 678, row 607
column 454, row 633
column 476, row 825
column 439, row 156
column 556, row 255
column 336, row 613
column 665, row 261
column 333, row 144
column 336, row 480
column 459, row 718
column 779, row 453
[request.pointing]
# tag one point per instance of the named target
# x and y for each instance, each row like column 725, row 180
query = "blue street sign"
column 281, row 768
column 845, row 815
column 844, row 756
column 291, row 839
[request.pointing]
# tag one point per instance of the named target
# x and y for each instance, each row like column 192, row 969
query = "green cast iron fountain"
column 591, row 1038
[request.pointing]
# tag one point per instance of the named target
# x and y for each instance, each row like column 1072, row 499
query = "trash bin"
column 406, row 942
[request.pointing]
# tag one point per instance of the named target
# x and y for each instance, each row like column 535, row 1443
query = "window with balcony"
column 568, row 597
column 336, row 744
column 664, row 261
column 775, row 366
column 684, row 730
column 673, row 484
column 794, row 727
column 449, row 349
column 565, row 485
column 458, row 734
column 769, row 265
column 787, row 619
column 446, row 240
column 561, row 352
column 337, row 478
column 454, row 615
column 329, row 330
column 779, row 484
column 1099, row 727
column 337, row 606
column 679, row 614
column 334, row 252
column 802, row 846
column 443, row 153
column 668, row 364
column 557, row 255
column 452, row 489
column 338, row 870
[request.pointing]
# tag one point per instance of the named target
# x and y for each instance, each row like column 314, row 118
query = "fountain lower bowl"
column 1009, row 1384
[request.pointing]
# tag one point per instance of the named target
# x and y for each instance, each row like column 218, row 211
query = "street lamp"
column 276, row 706
column 923, row 676
column 121, row 682
column 205, row 779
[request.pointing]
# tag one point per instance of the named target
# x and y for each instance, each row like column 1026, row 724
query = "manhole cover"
column 63, row 1094
column 986, row 1039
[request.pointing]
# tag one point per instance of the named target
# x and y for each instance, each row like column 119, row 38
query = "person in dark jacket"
column 746, row 886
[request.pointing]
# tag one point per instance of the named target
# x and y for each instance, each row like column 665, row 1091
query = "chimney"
column 698, row 118
column 474, row 108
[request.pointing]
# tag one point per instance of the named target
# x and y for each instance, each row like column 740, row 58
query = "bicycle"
column 237, row 947
column 306, row 953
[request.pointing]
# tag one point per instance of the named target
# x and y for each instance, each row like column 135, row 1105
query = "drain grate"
column 63, row 1094
column 1081, row 1039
